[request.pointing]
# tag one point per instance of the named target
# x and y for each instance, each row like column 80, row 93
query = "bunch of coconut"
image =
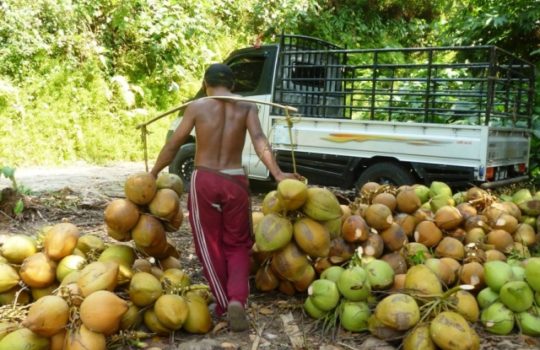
column 511, row 297
column 150, row 209
column 299, row 227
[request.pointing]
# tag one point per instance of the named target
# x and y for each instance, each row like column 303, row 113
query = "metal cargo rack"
column 477, row 85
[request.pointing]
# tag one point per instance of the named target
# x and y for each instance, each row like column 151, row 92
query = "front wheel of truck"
column 386, row 173
column 184, row 164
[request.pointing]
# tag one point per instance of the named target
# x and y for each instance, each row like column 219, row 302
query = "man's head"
column 219, row 74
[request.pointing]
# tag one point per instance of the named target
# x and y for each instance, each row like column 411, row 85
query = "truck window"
column 247, row 71
column 308, row 74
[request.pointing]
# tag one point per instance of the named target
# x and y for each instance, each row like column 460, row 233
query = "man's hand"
column 295, row 176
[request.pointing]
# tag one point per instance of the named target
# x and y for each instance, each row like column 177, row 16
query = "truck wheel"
column 184, row 164
column 386, row 173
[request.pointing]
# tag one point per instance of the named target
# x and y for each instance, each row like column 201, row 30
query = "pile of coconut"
column 61, row 289
column 416, row 263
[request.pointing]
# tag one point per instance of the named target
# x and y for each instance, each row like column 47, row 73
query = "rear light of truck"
column 520, row 168
column 490, row 174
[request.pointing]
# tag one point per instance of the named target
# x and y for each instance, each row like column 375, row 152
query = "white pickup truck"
column 461, row 115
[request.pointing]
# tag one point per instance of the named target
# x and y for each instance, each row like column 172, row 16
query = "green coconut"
column 497, row 319
column 324, row 294
column 398, row 311
column 313, row 310
column 354, row 315
column 144, row 289
column 439, row 201
column 517, row 296
column 380, row 274
column 18, row 247
column 422, row 192
column 439, row 188
column 69, row 264
column 353, row 284
column 321, row 204
column 521, row 196
column 332, row 273
column 529, row 321
column 451, row 331
column 532, row 273
column 486, row 297
column 497, row 273
column 518, row 273
column 273, row 233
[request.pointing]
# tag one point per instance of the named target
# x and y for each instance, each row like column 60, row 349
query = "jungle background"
column 77, row 76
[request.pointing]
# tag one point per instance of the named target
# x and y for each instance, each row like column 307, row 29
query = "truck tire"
column 386, row 173
column 183, row 164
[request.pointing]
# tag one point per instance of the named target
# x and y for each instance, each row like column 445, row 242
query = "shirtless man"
column 219, row 202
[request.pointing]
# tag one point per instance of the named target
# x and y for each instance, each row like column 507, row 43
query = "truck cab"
column 461, row 115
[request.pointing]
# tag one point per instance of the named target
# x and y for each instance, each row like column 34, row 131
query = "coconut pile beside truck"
column 411, row 265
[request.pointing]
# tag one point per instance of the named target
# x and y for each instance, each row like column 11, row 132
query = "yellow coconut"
column 141, row 265
column 525, row 234
column 171, row 310
column 144, row 289
column 466, row 305
column 69, row 264
column 450, row 331
column 165, row 204
column 175, row 223
column 172, row 181
column 38, row 271
column 312, row 237
column 199, row 320
column 61, row 240
column 321, row 204
column 18, row 247
column 9, row 277
column 292, row 193
column 117, row 235
column 272, row 204
column 121, row 215
column 398, row 311
column 175, row 278
column 140, row 188
column 334, row 226
column 151, row 321
column 38, row 293
column 132, row 318
column 423, row 281
column 98, row 276
column 24, row 339
column 419, row 339
column 58, row 340
column 47, row 316
column 7, row 327
column 90, row 243
column 102, row 311
column 84, row 339
column 273, row 233
column 170, row 263
column 16, row 295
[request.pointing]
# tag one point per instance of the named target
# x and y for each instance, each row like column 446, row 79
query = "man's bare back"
column 220, row 128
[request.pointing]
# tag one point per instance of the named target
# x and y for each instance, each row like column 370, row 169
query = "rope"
column 288, row 118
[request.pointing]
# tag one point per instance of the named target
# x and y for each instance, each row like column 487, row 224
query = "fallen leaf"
column 266, row 311
column 219, row 327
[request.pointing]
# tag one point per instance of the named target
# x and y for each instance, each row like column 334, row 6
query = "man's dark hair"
column 219, row 74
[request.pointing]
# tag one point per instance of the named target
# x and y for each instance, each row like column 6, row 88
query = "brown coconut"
column 373, row 246
column 387, row 199
column 149, row 232
column 140, row 188
column 265, row 279
column 494, row 254
column 472, row 273
column 165, row 204
column 448, row 217
column 341, row 249
column 407, row 201
column 427, row 233
column 287, row 288
column 394, row 237
column 396, row 261
column 475, row 235
column 117, row 235
column 290, row 262
column 354, row 229
column 525, row 234
column 423, row 214
column 467, row 210
column 407, row 222
column 379, row 216
column 312, row 237
column 121, row 215
column 500, row 239
column 302, row 284
column 451, row 248
column 476, row 221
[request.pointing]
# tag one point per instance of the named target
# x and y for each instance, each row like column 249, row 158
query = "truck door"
column 254, row 76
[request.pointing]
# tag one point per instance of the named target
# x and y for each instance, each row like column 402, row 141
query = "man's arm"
column 167, row 153
column 262, row 146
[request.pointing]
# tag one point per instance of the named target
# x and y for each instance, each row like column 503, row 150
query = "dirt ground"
column 79, row 194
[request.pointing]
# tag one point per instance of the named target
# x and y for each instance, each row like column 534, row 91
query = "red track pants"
column 220, row 219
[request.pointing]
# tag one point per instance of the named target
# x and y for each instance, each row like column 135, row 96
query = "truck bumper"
column 504, row 182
